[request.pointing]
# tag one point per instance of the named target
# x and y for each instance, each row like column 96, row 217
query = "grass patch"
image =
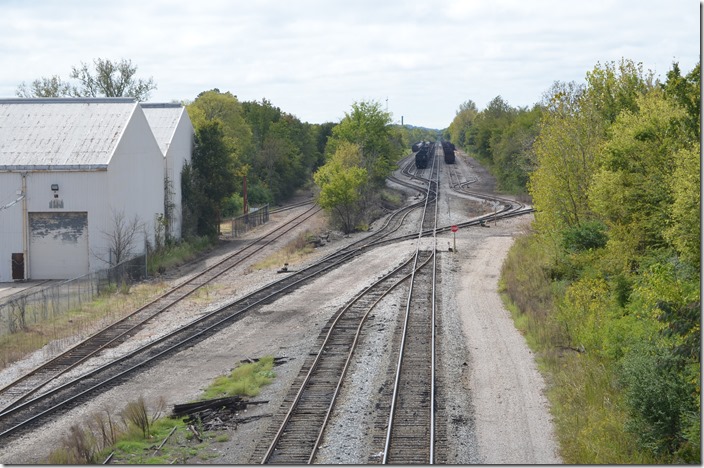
column 134, row 435
column 58, row 329
column 296, row 250
column 246, row 379
column 177, row 254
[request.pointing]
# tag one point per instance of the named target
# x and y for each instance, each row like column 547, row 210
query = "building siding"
column 129, row 181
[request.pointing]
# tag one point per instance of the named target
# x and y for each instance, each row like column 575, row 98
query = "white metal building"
column 174, row 133
column 67, row 168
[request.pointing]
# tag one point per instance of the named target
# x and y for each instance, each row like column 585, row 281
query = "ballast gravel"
column 495, row 401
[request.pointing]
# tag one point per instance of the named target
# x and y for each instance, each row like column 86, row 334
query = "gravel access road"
column 496, row 402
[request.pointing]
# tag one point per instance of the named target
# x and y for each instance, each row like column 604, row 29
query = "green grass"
column 586, row 400
column 133, row 448
column 246, row 379
column 174, row 255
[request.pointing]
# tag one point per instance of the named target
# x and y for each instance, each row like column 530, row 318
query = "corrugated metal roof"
column 61, row 133
column 163, row 119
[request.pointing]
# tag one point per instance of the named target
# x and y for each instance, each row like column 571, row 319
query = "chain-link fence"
column 235, row 227
column 21, row 311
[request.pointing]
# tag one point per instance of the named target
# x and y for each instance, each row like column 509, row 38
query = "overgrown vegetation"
column 174, row 254
column 361, row 153
column 607, row 288
column 500, row 137
column 238, row 144
column 141, row 433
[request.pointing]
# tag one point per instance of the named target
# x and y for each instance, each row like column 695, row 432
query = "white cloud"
column 314, row 58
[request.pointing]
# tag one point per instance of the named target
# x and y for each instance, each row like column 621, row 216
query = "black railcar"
column 449, row 151
column 422, row 156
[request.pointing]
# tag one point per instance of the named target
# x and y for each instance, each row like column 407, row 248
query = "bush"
column 232, row 206
column 660, row 404
column 585, row 236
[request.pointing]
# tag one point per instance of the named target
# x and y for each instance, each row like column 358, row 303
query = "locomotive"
column 423, row 154
column 449, row 150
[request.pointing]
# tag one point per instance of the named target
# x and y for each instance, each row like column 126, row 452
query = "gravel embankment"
column 494, row 394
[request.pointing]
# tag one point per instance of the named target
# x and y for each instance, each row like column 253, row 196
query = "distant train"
column 422, row 150
column 449, row 150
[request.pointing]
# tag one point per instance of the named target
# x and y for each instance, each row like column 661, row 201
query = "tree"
column 368, row 127
column 487, row 128
column 612, row 88
column 225, row 107
column 284, row 151
column 462, row 123
column 209, row 180
column 686, row 92
column 342, row 183
column 109, row 79
column 565, row 152
column 121, row 237
column 632, row 189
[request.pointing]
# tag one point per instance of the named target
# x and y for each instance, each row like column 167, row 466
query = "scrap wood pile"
column 217, row 414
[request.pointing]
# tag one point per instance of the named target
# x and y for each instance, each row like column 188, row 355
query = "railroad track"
column 296, row 432
column 32, row 382
column 25, row 414
column 410, row 434
column 22, row 415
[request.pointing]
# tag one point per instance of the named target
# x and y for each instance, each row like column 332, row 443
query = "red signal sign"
column 454, row 228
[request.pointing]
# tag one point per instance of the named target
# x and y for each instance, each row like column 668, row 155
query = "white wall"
column 178, row 154
column 10, row 223
column 136, row 176
column 79, row 191
column 133, row 182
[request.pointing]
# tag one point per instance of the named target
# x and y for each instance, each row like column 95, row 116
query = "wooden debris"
column 216, row 414
column 164, row 441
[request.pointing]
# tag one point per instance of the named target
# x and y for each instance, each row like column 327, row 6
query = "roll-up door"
column 58, row 245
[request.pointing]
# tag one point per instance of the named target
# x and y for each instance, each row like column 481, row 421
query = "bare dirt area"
column 492, row 393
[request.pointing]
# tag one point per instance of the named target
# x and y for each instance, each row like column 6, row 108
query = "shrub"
column 660, row 404
column 587, row 235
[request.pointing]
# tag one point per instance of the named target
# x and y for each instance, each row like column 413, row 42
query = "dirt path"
column 512, row 418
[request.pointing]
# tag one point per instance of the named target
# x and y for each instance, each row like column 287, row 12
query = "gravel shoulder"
column 495, row 395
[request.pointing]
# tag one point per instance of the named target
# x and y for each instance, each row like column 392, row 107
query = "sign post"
column 454, row 229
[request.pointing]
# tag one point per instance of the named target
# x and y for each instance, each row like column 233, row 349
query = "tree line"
column 609, row 279
column 258, row 146
column 613, row 169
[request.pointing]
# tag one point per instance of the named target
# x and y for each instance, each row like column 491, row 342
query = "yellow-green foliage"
column 617, row 250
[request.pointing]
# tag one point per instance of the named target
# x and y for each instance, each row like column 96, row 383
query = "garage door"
column 58, row 245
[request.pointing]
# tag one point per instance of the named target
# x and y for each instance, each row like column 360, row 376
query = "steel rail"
column 101, row 340
column 404, row 334
column 334, row 260
column 324, row 351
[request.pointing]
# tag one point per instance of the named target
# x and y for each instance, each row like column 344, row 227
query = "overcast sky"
column 315, row 58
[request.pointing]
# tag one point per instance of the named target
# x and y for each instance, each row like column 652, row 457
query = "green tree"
column 284, row 151
column 108, row 79
column 462, row 123
column 210, row 180
column 632, row 189
column 512, row 151
column 686, row 92
column 684, row 228
column 615, row 87
column 342, row 182
column 487, row 128
column 224, row 107
column 565, row 152
column 368, row 127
